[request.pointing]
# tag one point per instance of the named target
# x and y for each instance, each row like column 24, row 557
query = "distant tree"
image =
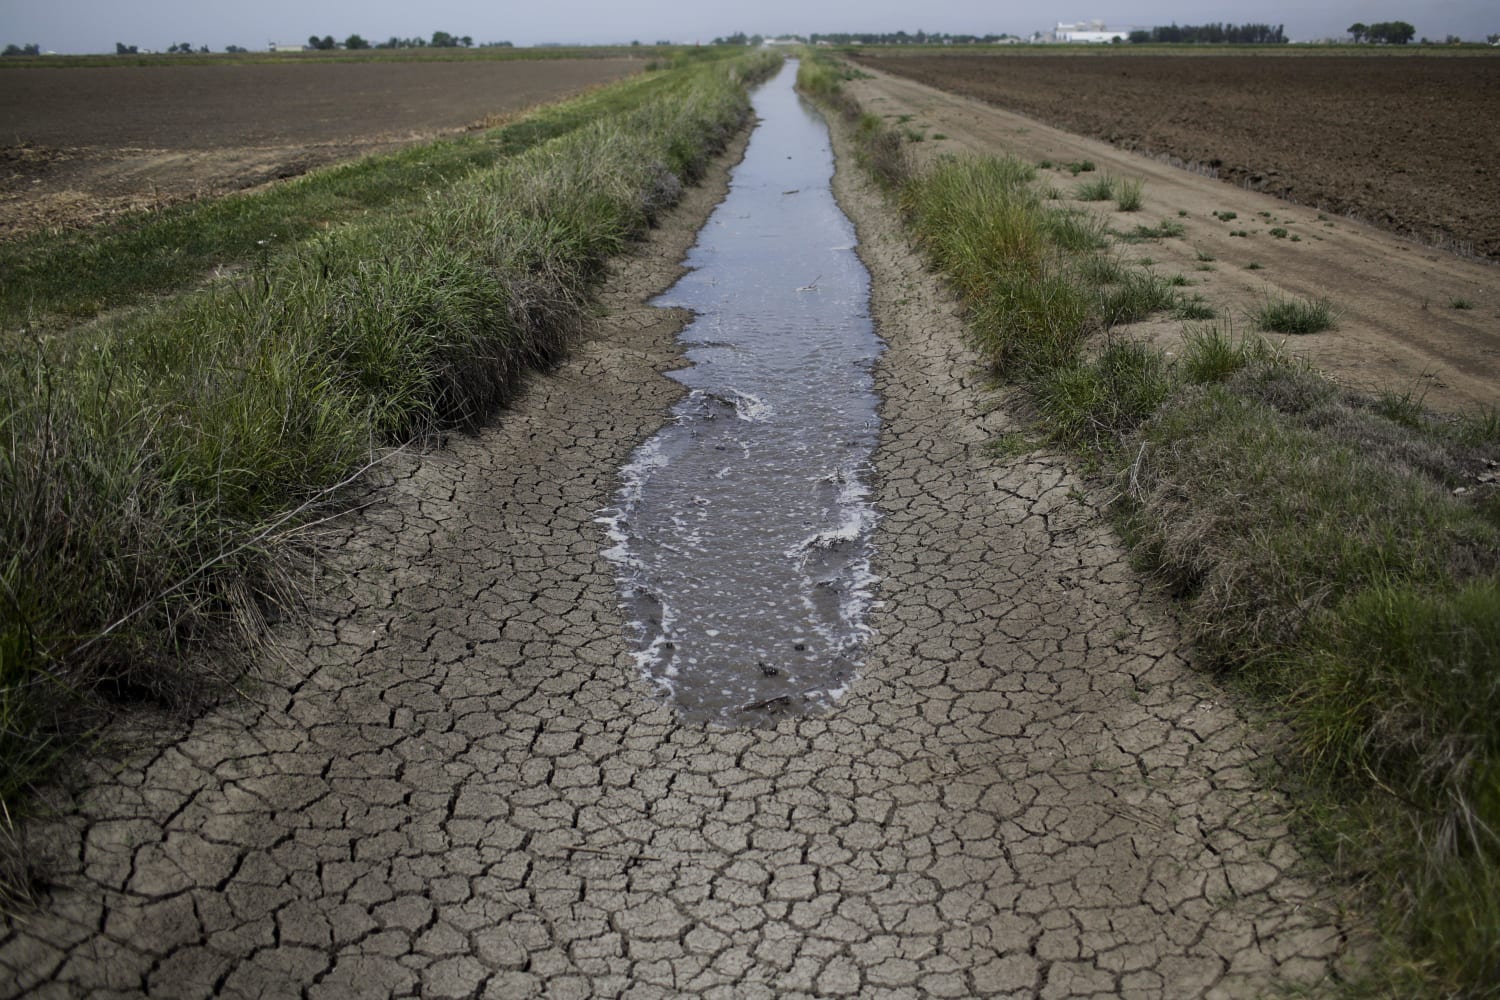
column 235, row 48
column 121, row 49
column 182, row 48
column 1492, row 39
column 324, row 44
column 498, row 45
column 355, row 42
column 1392, row 32
column 443, row 40
column 467, row 42
column 23, row 50
column 1139, row 37
column 1453, row 40
column 1358, row 30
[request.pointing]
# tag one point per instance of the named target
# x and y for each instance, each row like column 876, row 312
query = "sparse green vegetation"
column 1080, row 167
column 1460, row 303
column 1128, row 194
column 1097, row 189
column 1163, row 230
column 1225, row 216
column 1289, row 315
column 1278, row 232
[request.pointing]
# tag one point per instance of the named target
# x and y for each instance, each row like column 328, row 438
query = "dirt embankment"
column 1408, row 143
column 80, row 144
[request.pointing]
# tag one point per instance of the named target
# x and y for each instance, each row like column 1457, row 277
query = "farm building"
column 1088, row 32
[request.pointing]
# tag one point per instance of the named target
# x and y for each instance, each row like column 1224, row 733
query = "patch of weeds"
column 1044, row 165
column 1080, row 167
column 1128, row 194
column 1278, row 232
column 913, row 135
column 1179, row 281
column 1299, row 316
column 1255, row 265
column 1102, row 269
column 1165, row 229
column 939, row 136
column 1098, row 189
column 1241, row 233
column 1296, row 238
column 1194, row 308
column 1182, row 213
column 1205, row 267
column 1225, row 216
column 1404, row 408
column 1458, row 303
column 1136, row 296
column 1212, row 353
column 1205, row 256
column 1093, row 404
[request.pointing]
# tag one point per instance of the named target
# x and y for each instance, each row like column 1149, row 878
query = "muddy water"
column 742, row 531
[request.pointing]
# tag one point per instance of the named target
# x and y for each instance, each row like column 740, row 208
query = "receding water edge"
column 741, row 535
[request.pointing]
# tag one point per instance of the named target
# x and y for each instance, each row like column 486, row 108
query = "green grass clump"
column 1080, row 167
column 1164, row 229
column 1136, row 296
column 1095, row 403
column 1098, row 189
column 1128, row 196
column 1212, row 353
column 1298, row 316
column 158, row 465
column 979, row 221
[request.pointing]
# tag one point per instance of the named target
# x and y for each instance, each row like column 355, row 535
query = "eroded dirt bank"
column 459, row 788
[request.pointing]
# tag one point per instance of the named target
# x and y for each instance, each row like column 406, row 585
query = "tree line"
column 1212, row 34
column 1383, row 32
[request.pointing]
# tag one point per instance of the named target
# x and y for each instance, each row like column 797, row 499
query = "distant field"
column 77, row 144
column 1408, row 143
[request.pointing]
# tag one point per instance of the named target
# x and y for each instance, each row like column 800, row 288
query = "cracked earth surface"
column 456, row 785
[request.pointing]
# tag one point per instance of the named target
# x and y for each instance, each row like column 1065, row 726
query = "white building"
column 1088, row 32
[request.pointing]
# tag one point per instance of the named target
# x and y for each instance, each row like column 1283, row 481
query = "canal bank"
column 457, row 784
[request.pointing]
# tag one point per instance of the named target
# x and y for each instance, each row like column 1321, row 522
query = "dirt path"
column 1397, row 328
column 458, row 787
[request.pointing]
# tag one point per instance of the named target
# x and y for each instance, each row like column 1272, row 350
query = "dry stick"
column 258, row 537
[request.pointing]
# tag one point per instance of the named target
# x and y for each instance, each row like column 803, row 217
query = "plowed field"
column 1408, row 143
column 78, row 144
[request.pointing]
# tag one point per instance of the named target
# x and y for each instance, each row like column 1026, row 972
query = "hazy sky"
column 96, row 25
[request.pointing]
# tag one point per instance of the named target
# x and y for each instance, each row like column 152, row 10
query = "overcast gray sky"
column 96, row 25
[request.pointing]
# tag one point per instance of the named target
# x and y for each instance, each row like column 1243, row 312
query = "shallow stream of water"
column 742, row 531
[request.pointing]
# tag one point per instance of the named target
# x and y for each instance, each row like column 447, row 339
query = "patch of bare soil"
column 1405, row 142
column 1411, row 318
column 79, row 145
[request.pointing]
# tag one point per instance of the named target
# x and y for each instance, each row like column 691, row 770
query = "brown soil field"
column 80, row 144
column 1406, row 143
column 1409, row 318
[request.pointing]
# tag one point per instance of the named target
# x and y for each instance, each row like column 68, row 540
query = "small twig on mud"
column 579, row 848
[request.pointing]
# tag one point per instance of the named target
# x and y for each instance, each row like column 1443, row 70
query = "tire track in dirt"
column 457, row 786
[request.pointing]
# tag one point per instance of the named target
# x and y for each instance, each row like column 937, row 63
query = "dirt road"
column 1398, row 325
column 458, row 786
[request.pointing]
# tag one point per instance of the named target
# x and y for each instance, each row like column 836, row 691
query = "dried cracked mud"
column 456, row 786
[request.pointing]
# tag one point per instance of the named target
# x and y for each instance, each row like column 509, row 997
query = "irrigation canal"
column 742, row 532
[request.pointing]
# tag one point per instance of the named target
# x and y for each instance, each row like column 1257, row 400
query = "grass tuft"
column 1296, row 316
